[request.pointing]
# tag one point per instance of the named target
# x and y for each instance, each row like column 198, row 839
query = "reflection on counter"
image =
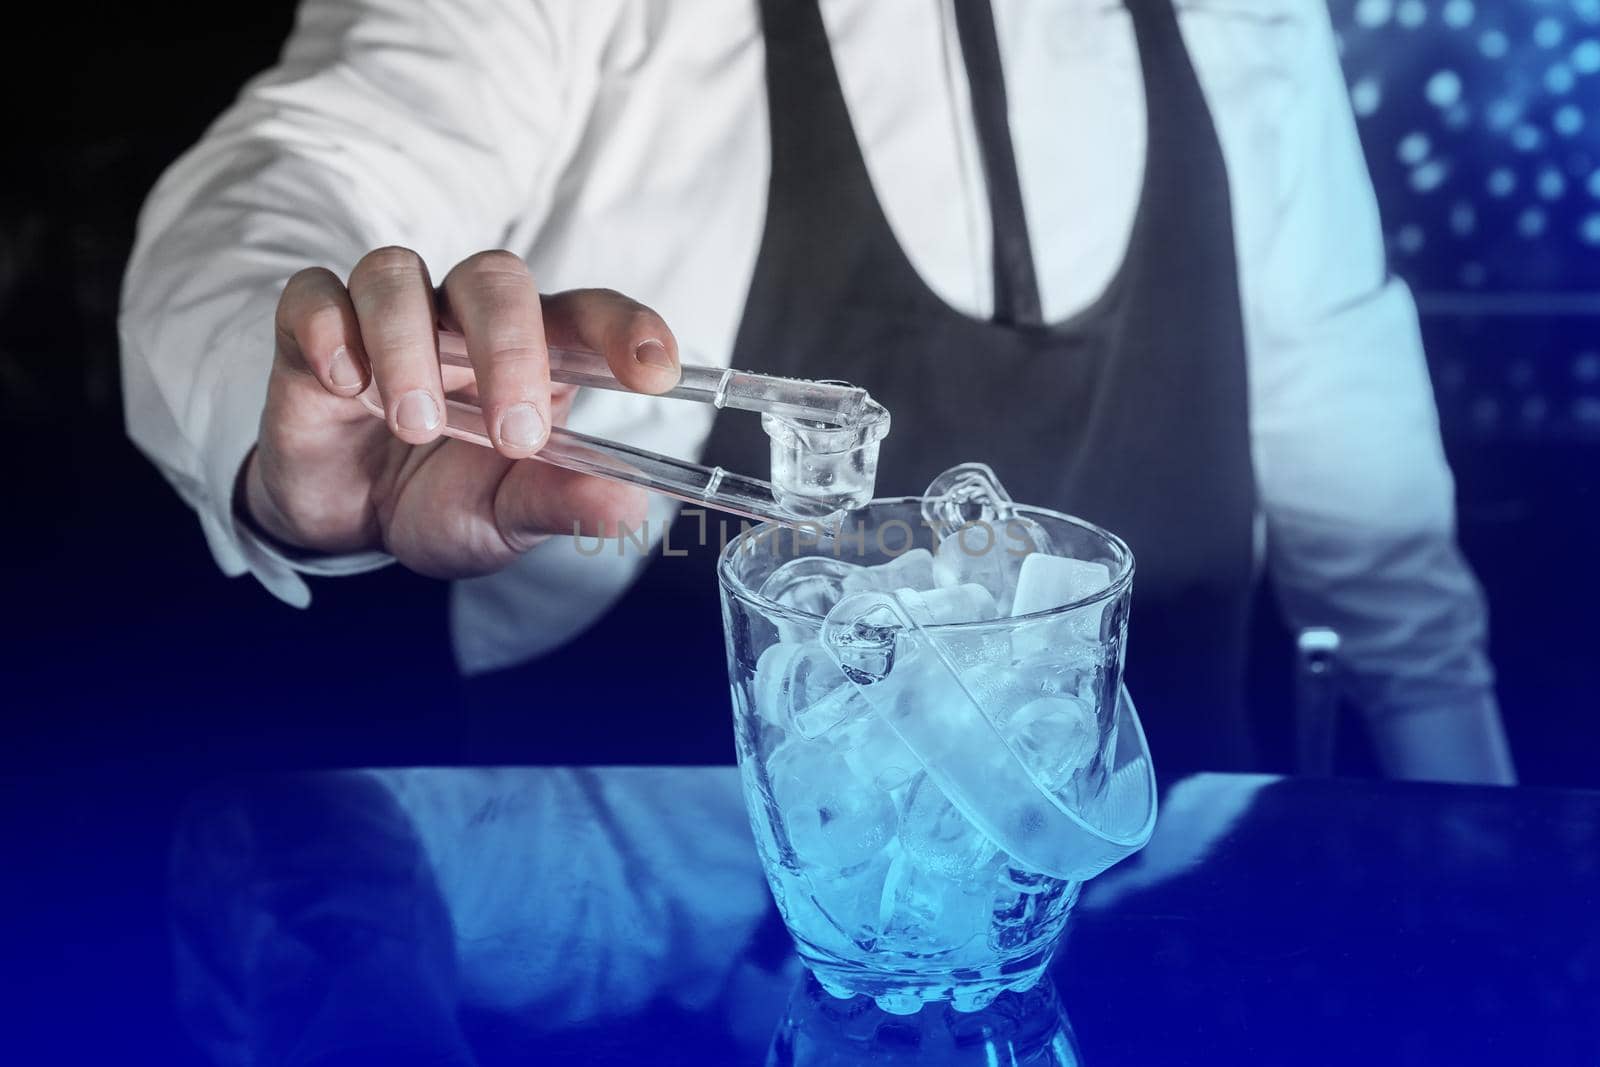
column 620, row 916
column 457, row 911
column 1018, row 1029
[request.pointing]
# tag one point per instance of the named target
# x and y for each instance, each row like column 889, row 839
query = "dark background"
column 122, row 643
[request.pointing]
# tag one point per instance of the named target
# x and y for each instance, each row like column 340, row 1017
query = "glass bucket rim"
column 1120, row 581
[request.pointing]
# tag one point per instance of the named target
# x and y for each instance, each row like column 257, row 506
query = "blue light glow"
column 1526, row 138
column 1429, row 176
column 1373, row 13
column 1567, row 121
column 1458, row 14
column 1444, row 88
column 1365, row 96
column 1503, row 112
column 1413, row 148
column 1548, row 32
column 1560, row 79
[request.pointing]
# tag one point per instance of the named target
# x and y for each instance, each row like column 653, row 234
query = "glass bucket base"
column 1027, row 1029
column 905, row 991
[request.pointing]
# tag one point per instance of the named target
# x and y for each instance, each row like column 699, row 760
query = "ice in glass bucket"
column 933, row 738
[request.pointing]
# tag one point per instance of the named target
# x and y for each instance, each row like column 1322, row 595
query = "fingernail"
column 521, row 426
column 654, row 354
column 417, row 412
column 342, row 370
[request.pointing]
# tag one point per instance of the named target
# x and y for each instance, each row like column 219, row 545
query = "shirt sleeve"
column 438, row 126
column 1358, row 499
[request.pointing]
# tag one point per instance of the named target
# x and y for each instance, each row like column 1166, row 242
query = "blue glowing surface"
column 619, row 916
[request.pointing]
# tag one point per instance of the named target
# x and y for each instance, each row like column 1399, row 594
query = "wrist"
column 256, row 512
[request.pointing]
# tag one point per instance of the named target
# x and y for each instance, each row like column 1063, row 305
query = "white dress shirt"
column 623, row 143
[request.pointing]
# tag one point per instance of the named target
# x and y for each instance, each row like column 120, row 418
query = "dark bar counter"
column 552, row 915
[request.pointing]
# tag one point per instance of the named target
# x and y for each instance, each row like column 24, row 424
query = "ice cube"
column 937, row 837
column 911, row 570
column 929, row 915
column 1030, row 913
column 812, row 584
column 1002, row 689
column 849, row 902
column 968, row 602
column 1055, row 737
column 875, row 753
column 833, row 819
column 990, row 555
column 1045, row 582
column 799, row 688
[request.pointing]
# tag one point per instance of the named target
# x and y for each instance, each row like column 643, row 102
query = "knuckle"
column 310, row 280
column 387, row 264
column 304, row 290
column 492, row 262
column 491, row 282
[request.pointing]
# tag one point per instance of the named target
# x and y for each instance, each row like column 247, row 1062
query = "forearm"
column 385, row 123
column 1413, row 631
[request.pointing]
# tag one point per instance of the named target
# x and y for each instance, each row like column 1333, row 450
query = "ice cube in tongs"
column 824, row 439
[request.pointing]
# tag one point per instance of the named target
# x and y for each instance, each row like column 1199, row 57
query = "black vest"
column 1132, row 413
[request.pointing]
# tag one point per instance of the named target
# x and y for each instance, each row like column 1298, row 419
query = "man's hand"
column 328, row 477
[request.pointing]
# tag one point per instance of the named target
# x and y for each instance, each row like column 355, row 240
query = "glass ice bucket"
column 933, row 739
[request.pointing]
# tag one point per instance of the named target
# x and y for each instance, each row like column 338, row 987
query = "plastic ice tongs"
column 824, row 435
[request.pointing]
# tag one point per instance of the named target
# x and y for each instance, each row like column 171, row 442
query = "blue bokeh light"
column 1458, row 14
column 1567, row 121
column 1413, row 148
column 1526, row 137
column 1444, row 88
column 1560, row 79
column 1482, row 134
column 1502, row 182
column 1551, row 184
